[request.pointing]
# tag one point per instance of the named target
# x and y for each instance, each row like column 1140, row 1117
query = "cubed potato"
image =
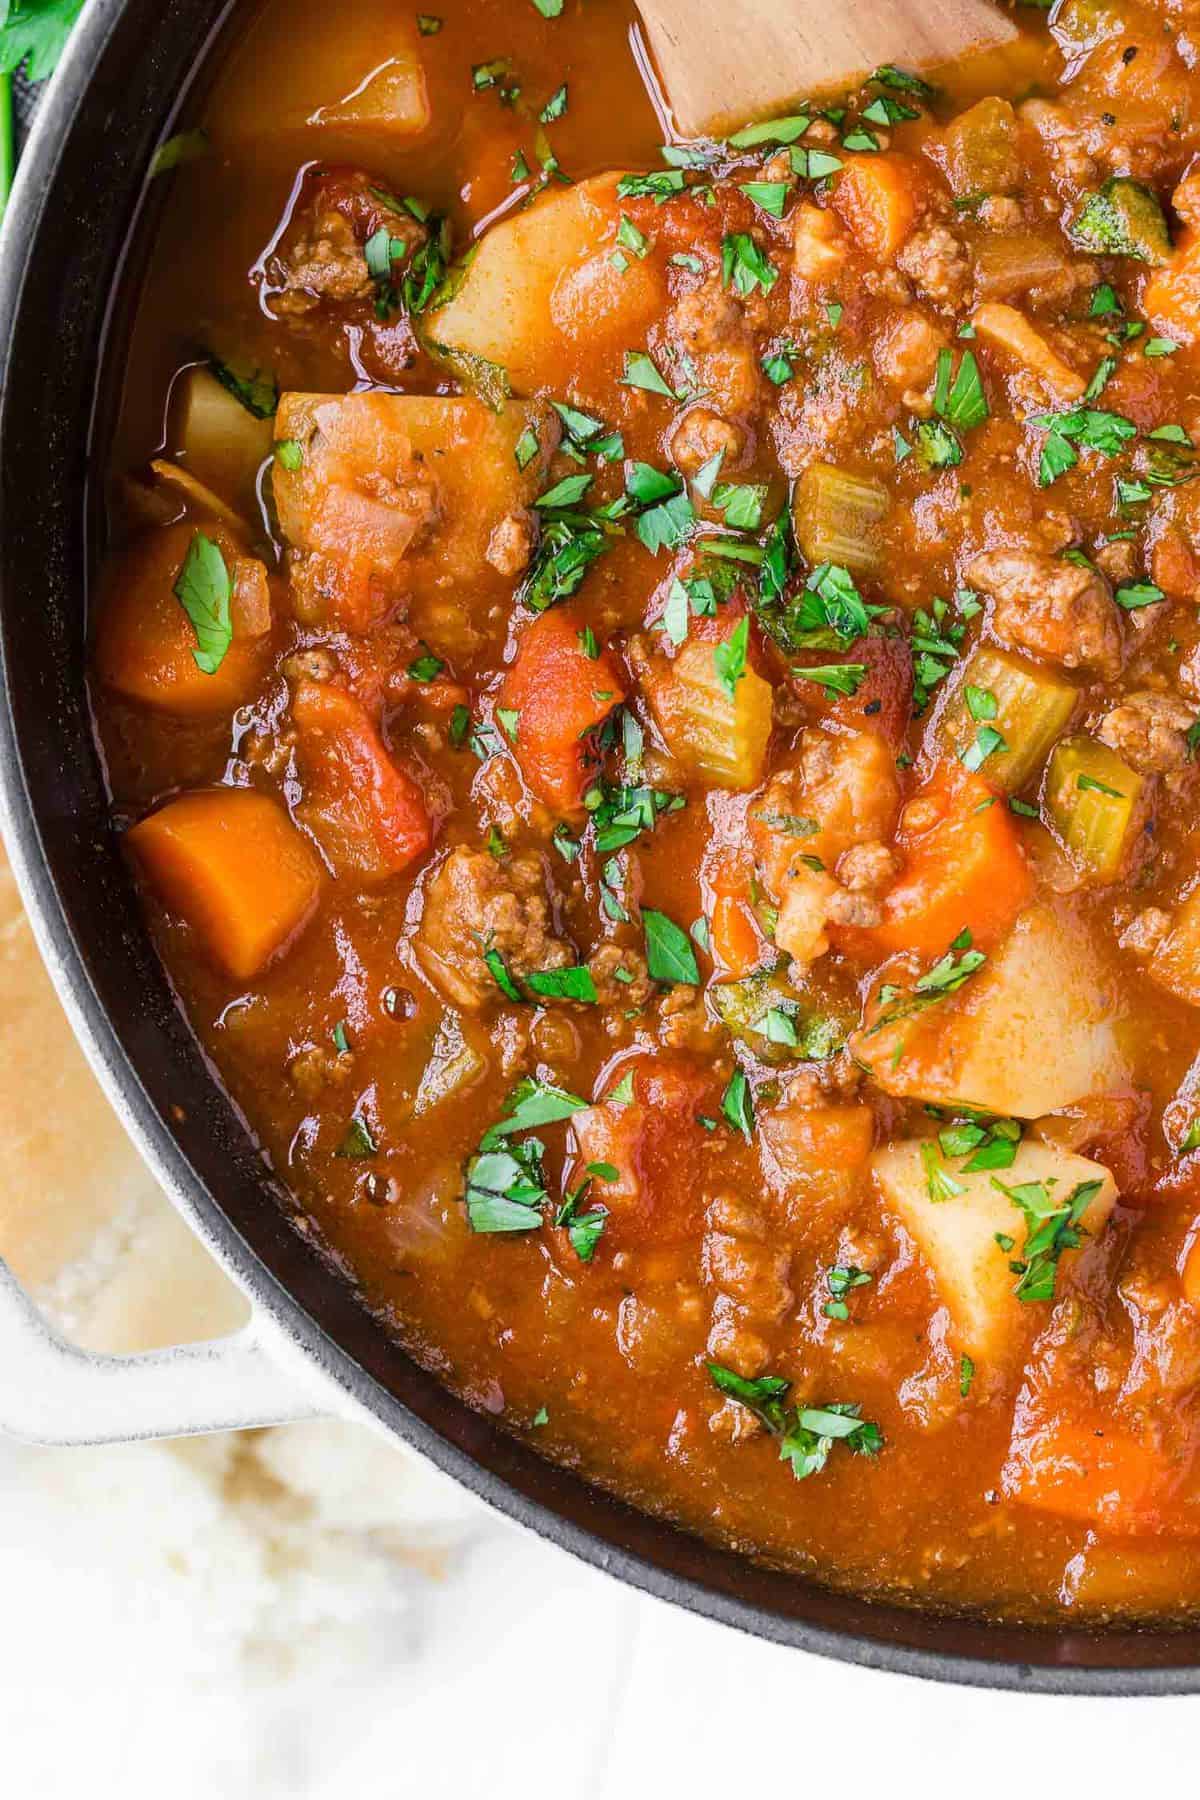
column 395, row 494
column 957, row 1237
column 541, row 289
column 813, row 1158
column 351, row 72
column 1005, row 329
column 230, row 863
column 1034, row 1030
column 720, row 740
column 218, row 440
column 145, row 642
column 1175, row 965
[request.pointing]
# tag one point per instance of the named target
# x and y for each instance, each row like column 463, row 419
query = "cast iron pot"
column 78, row 195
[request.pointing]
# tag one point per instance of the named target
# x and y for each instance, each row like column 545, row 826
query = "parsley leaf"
column 203, row 589
column 729, row 658
column 669, row 954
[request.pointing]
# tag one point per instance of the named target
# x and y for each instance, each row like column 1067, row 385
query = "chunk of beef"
column 1057, row 610
column 750, row 1274
column 1150, row 731
column 843, row 795
column 326, row 262
column 512, row 542
column 320, row 258
column 475, row 904
column 937, row 263
column 702, row 434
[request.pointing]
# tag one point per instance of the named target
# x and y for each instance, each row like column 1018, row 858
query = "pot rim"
column 65, row 99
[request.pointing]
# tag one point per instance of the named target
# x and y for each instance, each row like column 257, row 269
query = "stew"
column 652, row 691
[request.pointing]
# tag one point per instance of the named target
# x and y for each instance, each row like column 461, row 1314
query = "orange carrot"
column 230, row 863
column 145, row 642
column 736, row 944
column 551, row 701
column 876, row 199
column 1085, row 1468
column 1171, row 297
column 963, row 868
column 368, row 813
column 1191, row 1273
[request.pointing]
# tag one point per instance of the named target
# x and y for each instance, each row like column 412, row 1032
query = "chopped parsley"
column 669, row 954
column 744, row 266
column 1051, row 1227
column 737, row 1104
column 203, row 588
column 806, row 1435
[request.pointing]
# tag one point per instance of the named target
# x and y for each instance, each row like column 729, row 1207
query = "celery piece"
column 765, row 1012
column 839, row 518
column 1029, row 707
column 1093, row 803
column 981, row 150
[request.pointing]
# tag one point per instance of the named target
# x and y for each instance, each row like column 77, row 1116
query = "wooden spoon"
column 724, row 62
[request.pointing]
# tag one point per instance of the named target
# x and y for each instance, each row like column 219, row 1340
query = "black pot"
column 63, row 245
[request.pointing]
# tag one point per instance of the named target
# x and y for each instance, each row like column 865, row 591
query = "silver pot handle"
column 54, row 1393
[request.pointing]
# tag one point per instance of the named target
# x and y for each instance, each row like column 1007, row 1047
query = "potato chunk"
column 1034, row 1030
column 230, row 863
column 219, row 440
column 347, row 71
column 542, row 287
column 957, row 1236
column 390, row 495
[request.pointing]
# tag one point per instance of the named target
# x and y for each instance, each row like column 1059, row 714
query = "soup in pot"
column 652, row 691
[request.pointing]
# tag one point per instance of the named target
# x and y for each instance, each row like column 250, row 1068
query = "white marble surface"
column 167, row 1634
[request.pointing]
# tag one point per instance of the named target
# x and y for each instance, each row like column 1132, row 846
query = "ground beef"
column 702, row 434
column 684, row 1023
column 325, row 262
column 867, row 868
column 476, row 903
column 1150, row 732
column 1057, row 610
column 620, row 976
column 512, row 543
column 937, row 263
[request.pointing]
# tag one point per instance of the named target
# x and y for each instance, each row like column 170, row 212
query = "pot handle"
column 54, row 1393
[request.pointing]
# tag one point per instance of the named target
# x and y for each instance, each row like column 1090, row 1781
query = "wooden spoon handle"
column 723, row 62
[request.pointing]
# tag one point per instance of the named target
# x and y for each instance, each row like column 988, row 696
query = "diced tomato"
column 964, row 869
column 883, row 699
column 654, row 1142
column 369, row 814
column 551, row 702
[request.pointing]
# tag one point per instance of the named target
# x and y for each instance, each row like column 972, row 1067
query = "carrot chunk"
column 368, row 814
column 876, row 199
column 737, row 946
column 551, row 701
column 1172, row 295
column 145, row 642
column 963, row 868
column 1089, row 1469
column 231, row 864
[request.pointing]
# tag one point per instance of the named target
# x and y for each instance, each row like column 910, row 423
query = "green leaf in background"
column 35, row 32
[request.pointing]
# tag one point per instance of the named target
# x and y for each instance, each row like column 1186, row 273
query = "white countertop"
column 182, row 1622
